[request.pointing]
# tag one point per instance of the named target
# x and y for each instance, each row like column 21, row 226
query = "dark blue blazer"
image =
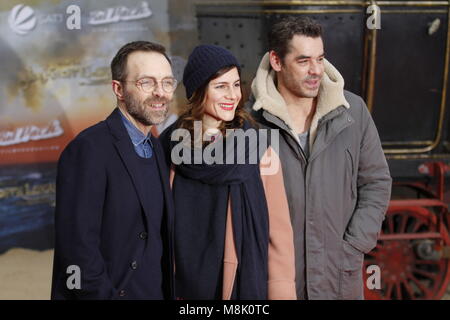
column 101, row 218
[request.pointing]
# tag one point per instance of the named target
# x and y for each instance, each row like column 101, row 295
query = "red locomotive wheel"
column 407, row 273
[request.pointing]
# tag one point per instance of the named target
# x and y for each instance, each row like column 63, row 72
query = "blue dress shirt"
column 142, row 144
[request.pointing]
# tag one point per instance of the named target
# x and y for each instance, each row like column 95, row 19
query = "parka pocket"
column 351, row 170
column 351, row 280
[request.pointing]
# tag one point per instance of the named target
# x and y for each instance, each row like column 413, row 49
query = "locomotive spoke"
column 417, row 225
column 398, row 291
column 425, row 273
column 402, row 224
column 390, row 224
column 408, row 288
column 388, row 294
column 428, row 294
column 426, row 262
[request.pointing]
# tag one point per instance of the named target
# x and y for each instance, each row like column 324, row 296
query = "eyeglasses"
column 149, row 84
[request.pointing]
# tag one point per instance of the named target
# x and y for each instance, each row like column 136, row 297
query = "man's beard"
column 143, row 113
column 295, row 86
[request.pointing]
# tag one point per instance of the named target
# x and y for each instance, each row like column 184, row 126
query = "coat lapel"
column 126, row 151
column 290, row 139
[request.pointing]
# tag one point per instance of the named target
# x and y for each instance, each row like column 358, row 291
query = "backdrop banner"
column 55, row 82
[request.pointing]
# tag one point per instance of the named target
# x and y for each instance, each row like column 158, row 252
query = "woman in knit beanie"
column 233, row 235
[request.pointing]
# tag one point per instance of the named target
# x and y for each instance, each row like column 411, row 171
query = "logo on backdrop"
column 120, row 13
column 30, row 133
column 22, row 19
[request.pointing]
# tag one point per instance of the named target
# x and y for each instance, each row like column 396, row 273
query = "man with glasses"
column 114, row 213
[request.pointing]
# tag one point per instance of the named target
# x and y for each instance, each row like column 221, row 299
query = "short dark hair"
column 119, row 62
column 284, row 30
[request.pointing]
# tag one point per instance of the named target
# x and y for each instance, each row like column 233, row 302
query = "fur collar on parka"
column 267, row 97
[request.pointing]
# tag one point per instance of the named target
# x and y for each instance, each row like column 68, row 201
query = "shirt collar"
column 136, row 136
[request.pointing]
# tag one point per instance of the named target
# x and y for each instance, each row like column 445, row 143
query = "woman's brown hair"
column 195, row 108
